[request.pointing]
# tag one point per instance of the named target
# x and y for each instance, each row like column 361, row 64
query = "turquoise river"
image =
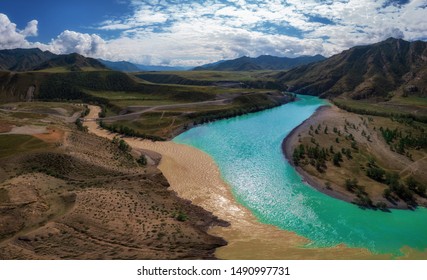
column 247, row 150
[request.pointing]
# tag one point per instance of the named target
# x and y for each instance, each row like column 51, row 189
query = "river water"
column 247, row 150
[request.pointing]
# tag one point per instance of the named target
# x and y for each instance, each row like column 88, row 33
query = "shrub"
column 124, row 146
column 351, row 184
column 142, row 160
column 181, row 217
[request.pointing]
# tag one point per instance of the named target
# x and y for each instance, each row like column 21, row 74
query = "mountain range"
column 372, row 72
column 263, row 62
column 22, row 60
column 363, row 72
column 124, row 66
column 127, row 66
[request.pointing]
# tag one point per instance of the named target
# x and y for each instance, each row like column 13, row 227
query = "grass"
column 29, row 115
column 213, row 76
column 414, row 107
column 67, row 69
column 411, row 100
column 14, row 144
column 156, row 123
column 124, row 99
column 46, row 108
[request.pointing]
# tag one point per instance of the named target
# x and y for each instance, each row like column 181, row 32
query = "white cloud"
column 67, row 42
column 195, row 32
column 211, row 30
column 85, row 44
column 31, row 29
column 11, row 37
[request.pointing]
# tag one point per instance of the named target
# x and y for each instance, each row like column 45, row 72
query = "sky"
column 191, row 33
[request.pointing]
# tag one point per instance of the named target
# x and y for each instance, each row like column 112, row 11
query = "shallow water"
column 248, row 152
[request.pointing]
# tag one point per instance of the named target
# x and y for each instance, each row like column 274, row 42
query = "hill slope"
column 263, row 62
column 73, row 62
column 23, row 59
column 364, row 72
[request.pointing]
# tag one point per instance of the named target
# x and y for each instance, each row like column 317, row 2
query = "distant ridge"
column 263, row 62
column 127, row 66
column 363, row 72
column 143, row 67
column 124, row 66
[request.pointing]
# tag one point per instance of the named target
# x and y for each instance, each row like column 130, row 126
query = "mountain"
column 363, row 72
column 73, row 62
column 263, row 62
column 23, row 59
column 143, row 67
column 124, row 66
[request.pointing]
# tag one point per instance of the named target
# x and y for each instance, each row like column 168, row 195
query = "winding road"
column 143, row 109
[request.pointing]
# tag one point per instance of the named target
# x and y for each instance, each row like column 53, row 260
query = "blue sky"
column 186, row 32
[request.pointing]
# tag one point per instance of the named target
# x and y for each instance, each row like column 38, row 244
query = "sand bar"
column 193, row 175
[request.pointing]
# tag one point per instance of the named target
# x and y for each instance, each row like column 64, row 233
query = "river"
column 247, row 150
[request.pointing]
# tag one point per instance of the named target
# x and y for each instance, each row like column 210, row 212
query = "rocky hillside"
column 72, row 62
column 365, row 72
column 23, row 59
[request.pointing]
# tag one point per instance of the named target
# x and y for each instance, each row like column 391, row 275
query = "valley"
column 88, row 155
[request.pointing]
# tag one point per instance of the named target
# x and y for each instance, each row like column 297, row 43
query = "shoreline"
column 287, row 149
column 291, row 141
column 194, row 176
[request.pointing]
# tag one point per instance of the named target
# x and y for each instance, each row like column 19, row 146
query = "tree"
column 387, row 193
column 351, row 184
column 296, row 157
column 337, row 158
column 124, row 146
column 80, row 126
column 416, row 186
column 375, row 173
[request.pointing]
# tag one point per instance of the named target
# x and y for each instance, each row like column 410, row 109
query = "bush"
column 375, row 173
column 142, row 160
column 181, row 217
column 351, row 184
column 337, row 159
column 124, row 146
column 416, row 186
column 80, row 126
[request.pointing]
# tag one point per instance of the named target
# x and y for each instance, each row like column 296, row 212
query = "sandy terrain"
column 83, row 198
column 28, row 130
column 5, row 127
column 193, row 175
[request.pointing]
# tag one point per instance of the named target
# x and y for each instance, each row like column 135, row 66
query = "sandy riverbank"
column 291, row 141
column 193, row 175
column 365, row 147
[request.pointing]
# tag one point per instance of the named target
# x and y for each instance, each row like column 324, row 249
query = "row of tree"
column 400, row 142
column 124, row 130
column 405, row 191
